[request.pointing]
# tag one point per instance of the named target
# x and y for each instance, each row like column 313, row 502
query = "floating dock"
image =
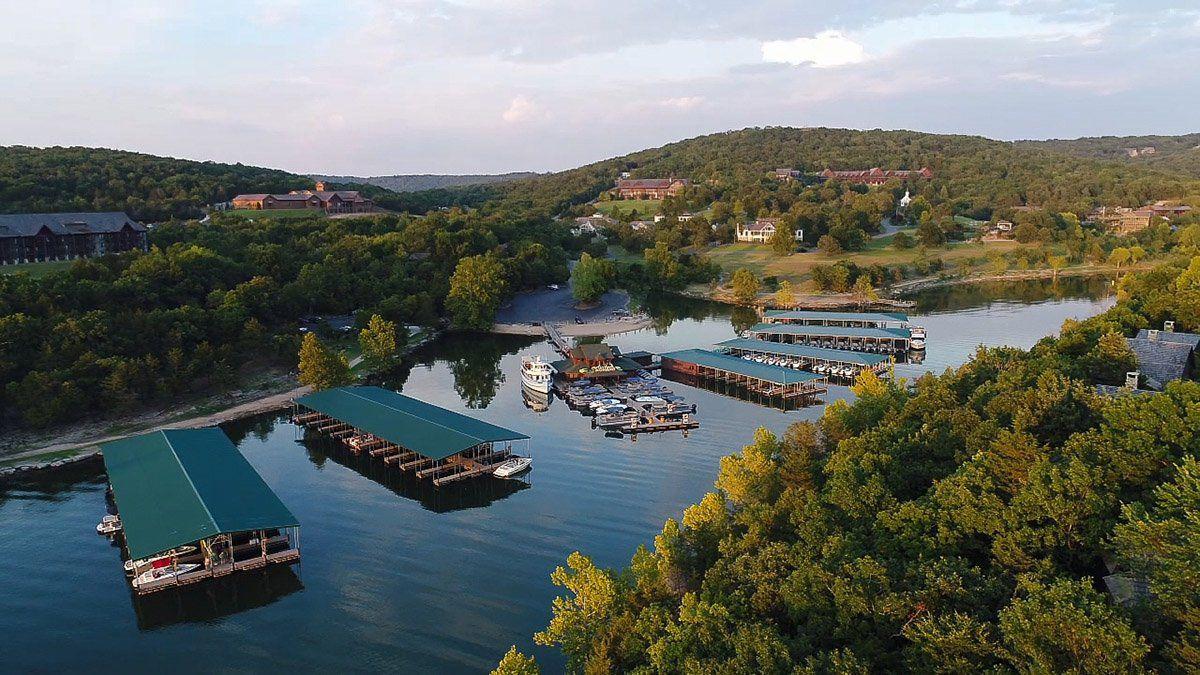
column 758, row 378
column 808, row 358
column 192, row 508
column 849, row 338
column 844, row 319
column 434, row 443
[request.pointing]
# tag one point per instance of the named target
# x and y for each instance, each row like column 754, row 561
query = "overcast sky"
column 463, row 86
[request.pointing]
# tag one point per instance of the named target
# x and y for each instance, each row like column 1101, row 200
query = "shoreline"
column 587, row 329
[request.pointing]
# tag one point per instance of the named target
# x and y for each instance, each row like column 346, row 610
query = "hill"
column 428, row 181
column 147, row 187
column 1179, row 154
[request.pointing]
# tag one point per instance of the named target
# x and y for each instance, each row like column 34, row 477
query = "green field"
column 37, row 270
column 646, row 208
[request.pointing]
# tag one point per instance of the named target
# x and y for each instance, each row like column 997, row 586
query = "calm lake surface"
column 398, row 576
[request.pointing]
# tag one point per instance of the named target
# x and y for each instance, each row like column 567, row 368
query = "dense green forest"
column 1179, row 154
column 962, row 525
column 149, row 188
column 112, row 334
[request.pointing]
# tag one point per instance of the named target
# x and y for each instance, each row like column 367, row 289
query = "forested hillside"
column 1180, row 154
column 148, row 188
column 428, row 181
column 968, row 525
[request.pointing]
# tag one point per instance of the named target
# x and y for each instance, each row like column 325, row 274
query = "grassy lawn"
column 646, row 208
column 798, row 267
column 37, row 269
column 276, row 213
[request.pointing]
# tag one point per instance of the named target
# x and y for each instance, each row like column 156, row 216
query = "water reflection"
column 1031, row 291
column 56, row 485
column 735, row 391
column 474, row 361
column 215, row 598
column 468, row 494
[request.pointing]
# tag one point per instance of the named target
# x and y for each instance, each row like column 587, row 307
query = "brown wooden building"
column 38, row 237
column 330, row 201
column 650, row 188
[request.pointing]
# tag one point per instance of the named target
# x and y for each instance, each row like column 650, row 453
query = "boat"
column 164, row 571
column 612, row 409
column 604, row 402
column 649, row 399
column 109, row 526
column 917, row 343
column 536, row 401
column 917, row 332
column 182, row 550
column 513, row 466
column 536, row 374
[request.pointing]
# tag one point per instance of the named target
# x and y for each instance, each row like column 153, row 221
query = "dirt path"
column 64, row 449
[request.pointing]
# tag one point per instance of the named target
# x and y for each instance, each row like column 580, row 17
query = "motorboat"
column 917, row 332
column 109, row 526
column 536, row 374
column 603, row 403
column 163, row 571
column 182, row 550
column 536, row 401
column 649, row 399
column 917, row 343
column 614, row 409
column 512, row 466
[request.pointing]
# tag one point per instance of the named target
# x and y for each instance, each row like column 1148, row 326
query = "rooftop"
column 810, row 315
column 178, row 486
column 1161, row 361
column 733, row 364
column 422, row 427
column 1190, row 339
column 29, row 224
column 781, row 349
column 830, row 331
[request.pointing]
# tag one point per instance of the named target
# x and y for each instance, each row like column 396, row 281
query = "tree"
column 476, row 288
column 592, row 278
column 864, row 289
column 745, row 286
column 516, row 663
column 783, row 242
column 378, row 341
column 1119, row 256
column 1058, row 263
column 784, row 296
column 930, row 234
column 320, row 367
column 902, row 241
column 1109, row 360
column 829, row 245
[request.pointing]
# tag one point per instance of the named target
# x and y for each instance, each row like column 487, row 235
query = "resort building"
column 191, row 508
column 875, row 175
column 434, row 443
column 786, row 175
column 38, row 237
column 330, row 201
column 1164, row 355
column 594, row 362
column 650, row 188
column 593, row 224
column 761, row 231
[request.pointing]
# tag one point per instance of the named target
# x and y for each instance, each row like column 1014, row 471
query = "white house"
column 592, row 224
column 761, row 231
column 640, row 225
column 905, row 200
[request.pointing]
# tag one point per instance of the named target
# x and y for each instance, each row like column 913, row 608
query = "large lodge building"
column 330, row 201
column 650, row 188
column 875, row 176
column 38, row 237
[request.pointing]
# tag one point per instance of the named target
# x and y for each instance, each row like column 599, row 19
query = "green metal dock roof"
column 783, row 349
column 178, row 486
column 809, row 315
column 831, row 331
column 422, row 427
column 733, row 364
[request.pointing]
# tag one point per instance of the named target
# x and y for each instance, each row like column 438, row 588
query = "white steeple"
column 905, row 200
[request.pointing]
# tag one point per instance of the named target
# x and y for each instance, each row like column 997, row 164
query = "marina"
column 867, row 339
column 837, row 364
column 758, row 378
column 379, row 542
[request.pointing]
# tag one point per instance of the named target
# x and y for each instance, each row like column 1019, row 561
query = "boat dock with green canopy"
column 759, row 378
column 434, row 442
column 850, row 338
column 192, row 507
column 803, row 356
column 823, row 318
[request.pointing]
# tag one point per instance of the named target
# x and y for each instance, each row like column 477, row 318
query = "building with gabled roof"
column 650, row 188
column 39, row 237
column 875, row 175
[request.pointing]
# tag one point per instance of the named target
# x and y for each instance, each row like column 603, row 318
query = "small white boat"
column 603, row 403
column 650, row 399
column 109, row 527
column 612, row 409
column 917, row 343
column 536, row 374
column 512, row 467
column 167, row 572
column 917, row 332
column 182, row 550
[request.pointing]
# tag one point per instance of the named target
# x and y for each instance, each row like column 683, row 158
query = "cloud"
column 827, row 49
column 683, row 102
column 522, row 109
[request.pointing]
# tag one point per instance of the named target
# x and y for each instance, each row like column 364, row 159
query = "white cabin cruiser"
column 536, row 374
column 513, row 466
column 157, row 573
column 109, row 526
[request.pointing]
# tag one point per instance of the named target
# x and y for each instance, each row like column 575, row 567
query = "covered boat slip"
column 430, row 441
column 878, row 340
column 758, row 378
column 850, row 319
column 189, row 491
column 805, row 356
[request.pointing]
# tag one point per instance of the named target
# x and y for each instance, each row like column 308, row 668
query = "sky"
column 372, row 87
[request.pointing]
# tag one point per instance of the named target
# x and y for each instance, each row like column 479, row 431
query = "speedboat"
column 917, row 343
column 650, row 399
column 109, row 526
column 603, row 403
column 536, row 374
column 513, row 466
column 614, row 409
column 166, row 571
column 182, row 550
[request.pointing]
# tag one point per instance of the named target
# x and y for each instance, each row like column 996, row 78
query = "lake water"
column 399, row 576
